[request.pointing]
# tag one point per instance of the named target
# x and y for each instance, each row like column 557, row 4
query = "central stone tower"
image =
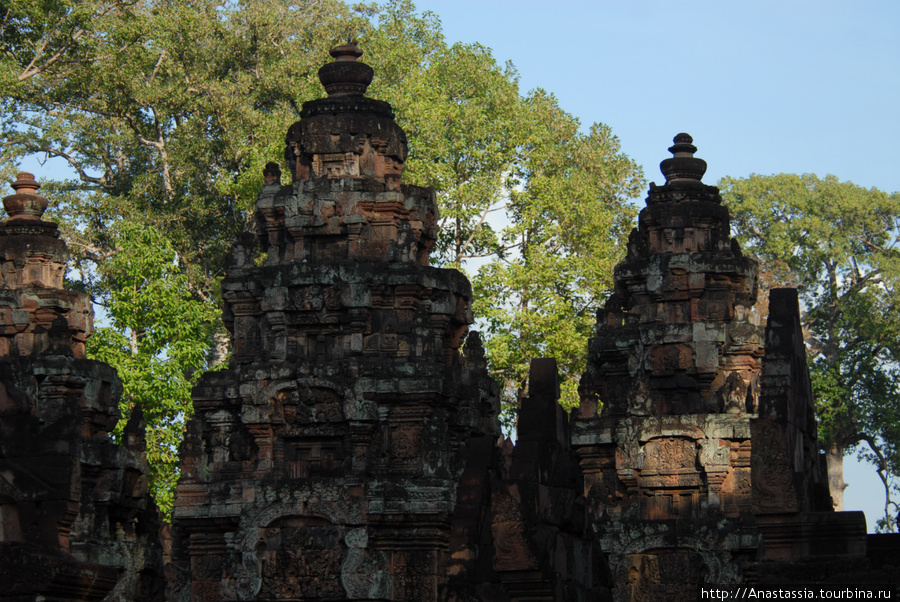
column 323, row 464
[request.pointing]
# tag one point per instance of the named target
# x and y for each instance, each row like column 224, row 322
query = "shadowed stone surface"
column 76, row 521
column 520, row 529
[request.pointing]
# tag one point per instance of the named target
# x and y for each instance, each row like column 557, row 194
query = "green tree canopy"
column 463, row 116
column 569, row 216
column 840, row 245
column 157, row 339
column 167, row 110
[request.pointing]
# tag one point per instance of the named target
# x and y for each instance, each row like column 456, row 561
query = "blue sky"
column 763, row 87
column 793, row 86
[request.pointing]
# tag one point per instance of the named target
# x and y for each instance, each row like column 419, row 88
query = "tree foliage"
column 157, row 338
column 167, row 110
column 840, row 245
column 568, row 217
column 536, row 207
column 462, row 113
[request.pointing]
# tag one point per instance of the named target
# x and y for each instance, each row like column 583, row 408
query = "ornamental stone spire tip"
column 346, row 76
column 683, row 165
column 25, row 203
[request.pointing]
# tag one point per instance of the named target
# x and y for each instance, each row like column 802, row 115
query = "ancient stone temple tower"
column 76, row 521
column 323, row 464
column 673, row 480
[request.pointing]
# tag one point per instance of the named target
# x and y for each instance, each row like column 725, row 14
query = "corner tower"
column 675, row 364
column 76, row 519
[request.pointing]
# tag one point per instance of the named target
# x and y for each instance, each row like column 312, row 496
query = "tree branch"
column 156, row 67
column 459, row 253
column 33, row 69
column 82, row 174
column 884, row 474
column 492, row 253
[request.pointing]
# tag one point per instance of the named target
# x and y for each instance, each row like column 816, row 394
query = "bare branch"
column 156, row 67
column 28, row 71
column 92, row 253
column 137, row 131
column 163, row 155
column 33, row 68
column 492, row 253
column 76, row 165
column 884, row 472
column 460, row 253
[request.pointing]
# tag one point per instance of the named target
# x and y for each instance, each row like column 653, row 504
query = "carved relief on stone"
column 365, row 573
column 301, row 557
column 640, row 402
column 326, row 405
column 269, row 537
column 670, row 463
column 406, row 441
column 735, row 395
column 336, row 165
column 667, row 574
column 413, row 575
column 772, row 478
column 511, row 550
column 736, row 492
column 309, row 458
column 715, row 454
column 603, row 490
column 665, row 359
column 669, row 456
column 247, row 337
column 511, row 547
column 628, row 463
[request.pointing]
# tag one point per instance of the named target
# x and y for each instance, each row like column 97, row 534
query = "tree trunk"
column 221, row 347
column 889, row 523
column 834, row 459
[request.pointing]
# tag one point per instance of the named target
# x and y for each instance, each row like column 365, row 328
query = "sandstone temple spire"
column 42, row 317
column 682, row 302
column 324, row 462
column 76, row 519
column 679, row 492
